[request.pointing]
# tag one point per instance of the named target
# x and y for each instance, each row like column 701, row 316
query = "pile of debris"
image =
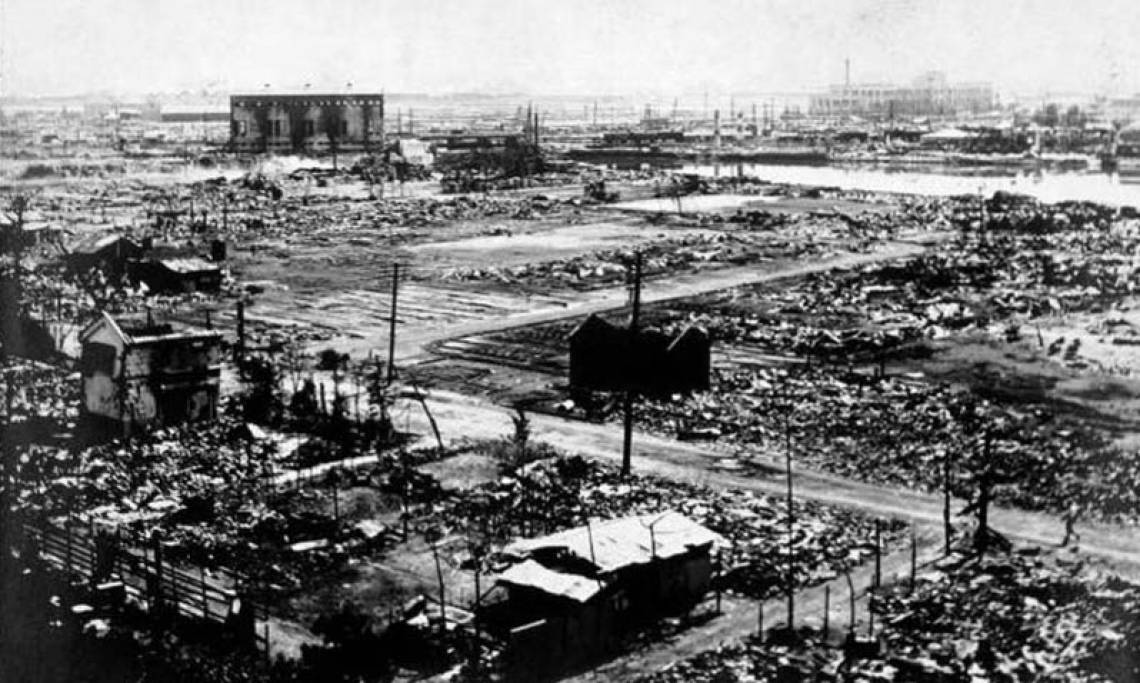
column 1011, row 617
column 39, row 394
column 1021, row 616
column 661, row 257
column 753, row 661
column 903, row 432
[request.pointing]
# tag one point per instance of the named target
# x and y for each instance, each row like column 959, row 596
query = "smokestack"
column 716, row 128
column 847, row 73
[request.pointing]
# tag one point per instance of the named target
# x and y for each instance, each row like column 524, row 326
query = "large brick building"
column 306, row 122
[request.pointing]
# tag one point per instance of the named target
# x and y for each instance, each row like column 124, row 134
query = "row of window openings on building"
column 276, row 126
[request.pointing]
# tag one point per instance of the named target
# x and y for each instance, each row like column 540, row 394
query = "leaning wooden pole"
column 392, row 324
column 791, row 516
column 631, row 346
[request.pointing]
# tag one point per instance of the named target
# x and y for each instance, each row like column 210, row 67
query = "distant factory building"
column 194, row 114
column 148, row 374
column 929, row 95
column 306, row 122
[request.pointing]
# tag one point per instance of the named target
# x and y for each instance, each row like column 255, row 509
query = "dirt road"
column 411, row 339
column 463, row 417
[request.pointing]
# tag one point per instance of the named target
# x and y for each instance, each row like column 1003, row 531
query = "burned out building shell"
column 148, row 375
column 306, row 122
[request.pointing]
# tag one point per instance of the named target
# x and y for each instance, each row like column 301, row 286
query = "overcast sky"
column 564, row 46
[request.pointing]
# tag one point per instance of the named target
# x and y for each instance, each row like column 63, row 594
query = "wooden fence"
column 95, row 555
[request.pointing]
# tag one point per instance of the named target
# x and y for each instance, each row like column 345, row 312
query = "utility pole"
column 981, row 541
column 7, row 495
column 788, row 468
column 239, row 352
column 392, row 324
column 631, row 345
column 947, row 529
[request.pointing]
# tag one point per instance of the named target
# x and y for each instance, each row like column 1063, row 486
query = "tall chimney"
column 847, row 73
column 716, row 128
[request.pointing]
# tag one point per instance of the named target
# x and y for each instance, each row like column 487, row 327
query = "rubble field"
column 955, row 329
column 208, row 492
column 363, row 556
column 1007, row 617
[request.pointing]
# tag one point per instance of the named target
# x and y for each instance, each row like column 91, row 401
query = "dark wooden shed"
column 597, row 354
column 689, row 360
column 109, row 253
column 605, row 357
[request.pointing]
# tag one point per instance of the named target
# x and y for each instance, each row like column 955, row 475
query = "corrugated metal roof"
column 620, row 543
column 188, row 265
column 531, row 574
column 89, row 244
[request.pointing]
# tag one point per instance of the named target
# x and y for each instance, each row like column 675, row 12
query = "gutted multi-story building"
column 146, row 374
column 306, row 122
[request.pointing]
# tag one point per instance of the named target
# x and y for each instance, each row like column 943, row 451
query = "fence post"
column 913, row 558
column 878, row 554
column 205, row 598
column 157, row 550
column 719, row 578
column 67, row 535
column 116, row 566
column 826, row 608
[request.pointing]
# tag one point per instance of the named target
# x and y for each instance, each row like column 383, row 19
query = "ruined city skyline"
column 582, row 48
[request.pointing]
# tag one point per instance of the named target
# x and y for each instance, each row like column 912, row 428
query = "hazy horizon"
column 568, row 49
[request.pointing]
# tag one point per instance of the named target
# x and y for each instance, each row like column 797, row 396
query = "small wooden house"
column 179, row 275
column 574, row 594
